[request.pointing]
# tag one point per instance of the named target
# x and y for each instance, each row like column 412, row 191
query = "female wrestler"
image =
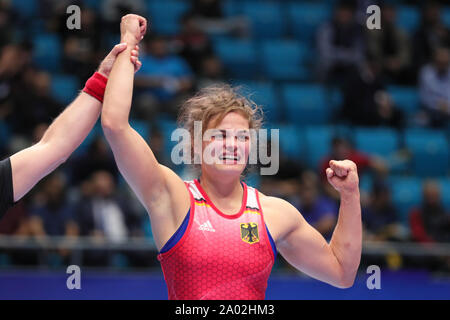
column 218, row 237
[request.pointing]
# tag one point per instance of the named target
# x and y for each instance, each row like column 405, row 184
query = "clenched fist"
column 343, row 176
column 133, row 29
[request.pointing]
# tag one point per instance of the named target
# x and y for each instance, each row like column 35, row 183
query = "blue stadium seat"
column 35, row 27
column 141, row 127
column 336, row 97
column 97, row 131
column 54, row 260
column 406, row 194
column 231, row 8
column 378, row 141
column 5, row 260
column 166, row 15
column 306, row 104
column 263, row 94
column 408, row 18
column 47, row 50
column 93, row 4
column 4, row 133
column 430, row 152
column 318, row 143
column 119, row 260
column 253, row 179
column 64, row 88
column 305, row 18
column 25, row 8
column 147, row 229
column 446, row 16
column 167, row 127
column 405, row 98
column 239, row 57
column 285, row 59
column 366, row 182
column 292, row 142
column 266, row 19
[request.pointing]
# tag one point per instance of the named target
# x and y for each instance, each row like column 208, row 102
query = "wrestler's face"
column 227, row 145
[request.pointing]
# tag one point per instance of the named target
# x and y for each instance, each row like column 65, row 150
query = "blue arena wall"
column 149, row 286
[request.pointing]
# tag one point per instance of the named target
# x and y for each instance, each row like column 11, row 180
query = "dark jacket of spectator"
column 340, row 45
column 430, row 223
column 390, row 47
column 434, row 82
column 431, row 34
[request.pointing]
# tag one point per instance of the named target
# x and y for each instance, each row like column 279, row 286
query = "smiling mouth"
column 225, row 157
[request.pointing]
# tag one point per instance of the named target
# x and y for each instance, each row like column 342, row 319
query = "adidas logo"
column 207, row 226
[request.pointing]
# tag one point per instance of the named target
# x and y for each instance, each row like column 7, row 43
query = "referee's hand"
column 107, row 64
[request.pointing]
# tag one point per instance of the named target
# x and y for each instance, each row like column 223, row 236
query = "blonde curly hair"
column 213, row 103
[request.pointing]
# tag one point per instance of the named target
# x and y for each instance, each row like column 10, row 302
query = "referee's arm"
column 63, row 136
column 6, row 186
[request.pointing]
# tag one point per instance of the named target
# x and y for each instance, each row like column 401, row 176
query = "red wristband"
column 96, row 86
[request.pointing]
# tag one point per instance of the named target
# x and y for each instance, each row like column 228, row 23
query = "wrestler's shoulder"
column 279, row 215
column 273, row 205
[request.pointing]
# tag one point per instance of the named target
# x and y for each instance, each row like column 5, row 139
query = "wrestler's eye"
column 242, row 137
column 219, row 135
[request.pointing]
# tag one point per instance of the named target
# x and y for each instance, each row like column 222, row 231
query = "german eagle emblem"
column 249, row 232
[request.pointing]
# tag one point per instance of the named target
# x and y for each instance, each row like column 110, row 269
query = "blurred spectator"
column 192, row 43
column 386, row 114
column 361, row 9
column 157, row 142
column 103, row 213
column 97, row 158
column 210, row 18
column 207, row 9
column 211, row 72
column 81, row 47
column 430, row 223
column 434, row 82
column 163, row 80
column 39, row 132
column 432, row 34
column 51, row 214
column 340, row 45
column 365, row 100
column 342, row 150
column 50, row 10
column 35, row 107
column 114, row 10
column 390, row 47
column 14, row 59
column 285, row 183
column 380, row 216
column 6, row 27
column 359, row 93
column 318, row 210
column 15, row 220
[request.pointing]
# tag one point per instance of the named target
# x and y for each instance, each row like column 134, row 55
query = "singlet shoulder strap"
column 194, row 190
column 252, row 202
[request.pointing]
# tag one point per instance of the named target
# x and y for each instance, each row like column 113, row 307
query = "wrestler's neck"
column 221, row 187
